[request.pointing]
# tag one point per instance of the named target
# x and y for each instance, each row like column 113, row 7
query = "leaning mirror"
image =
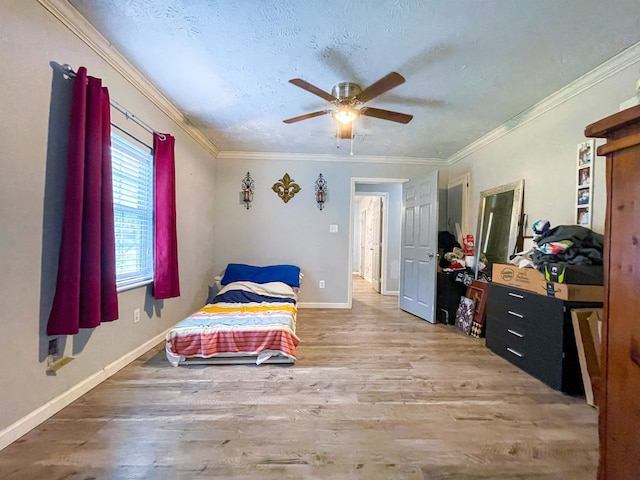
column 498, row 223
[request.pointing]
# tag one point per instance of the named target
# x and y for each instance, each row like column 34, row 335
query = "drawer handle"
column 513, row 332
column 515, row 314
column 518, row 354
column 517, row 295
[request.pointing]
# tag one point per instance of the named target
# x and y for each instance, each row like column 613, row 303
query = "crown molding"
column 313, row 157
column 78, row 25
column 71, row 18
column 614, row 65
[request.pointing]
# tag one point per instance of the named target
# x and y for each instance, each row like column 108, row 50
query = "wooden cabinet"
column 535, row 333
column 619, row 395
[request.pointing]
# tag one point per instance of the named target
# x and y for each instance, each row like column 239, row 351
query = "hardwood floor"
column 376, row 393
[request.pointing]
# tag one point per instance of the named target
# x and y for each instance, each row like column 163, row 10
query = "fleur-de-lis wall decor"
column 286, row 188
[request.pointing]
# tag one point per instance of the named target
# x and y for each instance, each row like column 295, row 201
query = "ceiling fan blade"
column 386, row 115
column 385, row 84
column 298, row 82
column 412, row 101
column 306, row 115
column 345, row 130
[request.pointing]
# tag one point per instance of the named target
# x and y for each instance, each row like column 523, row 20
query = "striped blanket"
column 244, row 319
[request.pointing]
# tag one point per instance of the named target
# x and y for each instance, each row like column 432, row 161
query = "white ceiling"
column 470, row 65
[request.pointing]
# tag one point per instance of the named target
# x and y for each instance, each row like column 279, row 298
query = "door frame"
column 370, row 180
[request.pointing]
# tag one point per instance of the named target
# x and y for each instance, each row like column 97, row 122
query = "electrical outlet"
column 136, row 315
column 333, row 228
column 321, row 284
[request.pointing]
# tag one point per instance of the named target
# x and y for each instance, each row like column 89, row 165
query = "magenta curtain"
column 166, row 283
column 86, row 284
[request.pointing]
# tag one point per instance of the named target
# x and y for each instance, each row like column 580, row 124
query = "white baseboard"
column 35, row 418
column 322, row 305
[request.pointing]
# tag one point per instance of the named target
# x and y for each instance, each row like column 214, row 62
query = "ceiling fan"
column 347, row 97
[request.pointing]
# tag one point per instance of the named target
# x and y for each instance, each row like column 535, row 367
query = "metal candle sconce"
column 321, row 191
column 247, row 191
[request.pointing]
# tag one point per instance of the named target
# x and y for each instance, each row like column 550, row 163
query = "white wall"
column 542, row 150
column 296, row 232
column 31, row 153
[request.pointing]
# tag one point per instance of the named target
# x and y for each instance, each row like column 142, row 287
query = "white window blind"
column 133, row 213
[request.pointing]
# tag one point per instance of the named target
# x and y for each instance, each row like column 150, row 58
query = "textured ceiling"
column 470, row 65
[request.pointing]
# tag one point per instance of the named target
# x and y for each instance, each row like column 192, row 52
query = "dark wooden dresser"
column 535, row 333
column 619, row 394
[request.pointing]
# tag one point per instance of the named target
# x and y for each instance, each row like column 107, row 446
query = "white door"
column 367, row 242
column 419, row 246
column 376, row 241
column 362, row 246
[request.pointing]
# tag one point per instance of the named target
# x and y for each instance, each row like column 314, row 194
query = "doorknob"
column 430, row 255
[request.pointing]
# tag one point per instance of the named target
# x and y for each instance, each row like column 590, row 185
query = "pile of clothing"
column 453, row 256
column 454, row 260
column 446, row 244
column 570, row 244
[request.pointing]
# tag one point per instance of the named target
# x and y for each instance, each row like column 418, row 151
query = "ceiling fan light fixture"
column 346, row 96
column 345, row 115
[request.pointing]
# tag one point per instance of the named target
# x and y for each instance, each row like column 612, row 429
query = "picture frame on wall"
column 584, row 196
column 584, row 177
column 583, row 217
column 584, row 182
column 586, row 152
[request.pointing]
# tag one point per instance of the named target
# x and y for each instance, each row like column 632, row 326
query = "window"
column 133, row 213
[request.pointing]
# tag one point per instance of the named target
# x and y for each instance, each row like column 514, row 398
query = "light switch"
column 333, row 228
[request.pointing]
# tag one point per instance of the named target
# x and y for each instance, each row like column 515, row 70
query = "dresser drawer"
column 538, row 355
column 521, row 324
column 510, row 334
column 542, row 349
column 511, row 296
column 501, row 345
column 547, row 363
column 526, row 312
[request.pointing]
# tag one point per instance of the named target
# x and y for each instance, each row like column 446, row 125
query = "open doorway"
column 369, row 246
column 376, row 261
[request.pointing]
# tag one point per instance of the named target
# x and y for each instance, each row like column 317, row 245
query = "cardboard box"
column 532, row 280
column 513, row 276
column 571, row 292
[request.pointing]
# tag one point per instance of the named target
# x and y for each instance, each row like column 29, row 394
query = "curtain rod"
column 132, row 136
column 128, row 115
